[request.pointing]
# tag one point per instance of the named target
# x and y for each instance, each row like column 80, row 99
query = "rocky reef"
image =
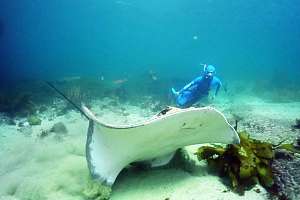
column 16, row 104
column 286, row 172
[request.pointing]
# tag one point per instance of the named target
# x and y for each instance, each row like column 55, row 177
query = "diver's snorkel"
column 204, row 66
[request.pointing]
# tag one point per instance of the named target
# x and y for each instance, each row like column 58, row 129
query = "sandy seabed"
column 51, row 168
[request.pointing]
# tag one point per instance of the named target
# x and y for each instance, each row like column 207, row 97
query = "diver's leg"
column 201, row 101
column 184, row 100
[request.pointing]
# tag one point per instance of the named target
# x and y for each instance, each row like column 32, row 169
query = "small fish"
column 154, row 78
column 153, row 75
column 120, row 81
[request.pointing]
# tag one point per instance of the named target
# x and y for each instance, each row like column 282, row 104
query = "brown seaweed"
column 245, row 164
column 275, row 167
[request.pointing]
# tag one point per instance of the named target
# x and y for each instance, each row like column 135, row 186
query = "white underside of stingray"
column 110, row 148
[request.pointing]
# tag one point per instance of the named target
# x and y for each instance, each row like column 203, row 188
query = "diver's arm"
column 218, row 84
column 218, row 88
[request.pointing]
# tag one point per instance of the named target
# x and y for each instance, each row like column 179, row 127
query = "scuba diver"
column 198, row 88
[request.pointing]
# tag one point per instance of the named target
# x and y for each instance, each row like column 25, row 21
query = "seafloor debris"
column 26, row 130
column 58, row 130
column 276, row 167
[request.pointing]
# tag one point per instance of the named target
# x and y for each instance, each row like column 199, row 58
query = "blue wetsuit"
column 196, row 90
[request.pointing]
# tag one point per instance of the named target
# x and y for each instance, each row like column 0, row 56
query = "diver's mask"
column 209, row 71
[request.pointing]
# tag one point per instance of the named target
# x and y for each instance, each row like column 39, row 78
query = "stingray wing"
column 111, row 148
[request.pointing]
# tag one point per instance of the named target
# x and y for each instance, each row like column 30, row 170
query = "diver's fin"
column 174, row 92
column 163, row 160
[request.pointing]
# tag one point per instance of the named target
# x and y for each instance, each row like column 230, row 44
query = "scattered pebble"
column 59, row 128
column 257, row 190
column 26, row 130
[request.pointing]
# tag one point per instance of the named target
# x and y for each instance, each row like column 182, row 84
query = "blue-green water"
column 121, row 58
column 245, row 40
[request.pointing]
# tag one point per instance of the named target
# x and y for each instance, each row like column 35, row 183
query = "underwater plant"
column 77, row 94
column 34, row 120
column 97, row 191
column 252, row 161
column 245, row 164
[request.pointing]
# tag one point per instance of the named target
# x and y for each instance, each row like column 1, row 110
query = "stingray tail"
column 68, row 100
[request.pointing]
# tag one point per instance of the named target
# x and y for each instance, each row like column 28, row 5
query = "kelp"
column 249, row 162
column 289, row 147
column 245, row 164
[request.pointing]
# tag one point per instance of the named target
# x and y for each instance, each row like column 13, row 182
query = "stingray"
column 111, row 148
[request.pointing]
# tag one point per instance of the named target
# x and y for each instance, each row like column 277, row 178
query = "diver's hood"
column 209, row 69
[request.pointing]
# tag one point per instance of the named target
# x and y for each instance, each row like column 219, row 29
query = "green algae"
column 97, row 191
column 289, row 147
column 34, row 120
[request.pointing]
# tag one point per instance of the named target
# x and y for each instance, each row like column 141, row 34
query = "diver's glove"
column 175, row 93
